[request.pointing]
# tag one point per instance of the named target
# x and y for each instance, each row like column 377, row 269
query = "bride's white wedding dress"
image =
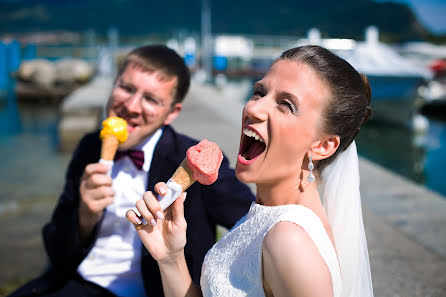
column 233, row 267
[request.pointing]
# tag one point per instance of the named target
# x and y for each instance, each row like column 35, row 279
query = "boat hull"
column 393, row 98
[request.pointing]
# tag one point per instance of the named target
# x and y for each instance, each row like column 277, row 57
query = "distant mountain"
column 341, row 18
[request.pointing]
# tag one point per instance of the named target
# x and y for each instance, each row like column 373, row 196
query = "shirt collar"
column 148, row 147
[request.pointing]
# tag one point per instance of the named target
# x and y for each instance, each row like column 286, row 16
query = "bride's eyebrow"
column 290, row 96
column 259, row 86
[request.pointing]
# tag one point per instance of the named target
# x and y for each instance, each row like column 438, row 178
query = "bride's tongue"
column 254, row 149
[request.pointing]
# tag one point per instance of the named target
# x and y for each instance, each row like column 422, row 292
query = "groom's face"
column 145, row 100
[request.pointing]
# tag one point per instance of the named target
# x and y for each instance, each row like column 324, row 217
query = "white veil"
column 342, row 202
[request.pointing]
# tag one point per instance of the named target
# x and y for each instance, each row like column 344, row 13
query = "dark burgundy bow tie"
column 136, row 156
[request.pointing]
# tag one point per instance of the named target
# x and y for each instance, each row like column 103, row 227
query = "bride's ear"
column 322, row 149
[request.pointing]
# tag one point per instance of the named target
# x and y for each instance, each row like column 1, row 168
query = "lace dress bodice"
column 233, row 267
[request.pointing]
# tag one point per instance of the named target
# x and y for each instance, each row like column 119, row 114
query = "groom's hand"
column 96, row 194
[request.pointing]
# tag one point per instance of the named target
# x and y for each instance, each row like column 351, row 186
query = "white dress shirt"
column 115, row 260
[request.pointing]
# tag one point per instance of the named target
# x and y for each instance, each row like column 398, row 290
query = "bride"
column 304, row 235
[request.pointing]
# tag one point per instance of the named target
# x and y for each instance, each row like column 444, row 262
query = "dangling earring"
column 310, row 177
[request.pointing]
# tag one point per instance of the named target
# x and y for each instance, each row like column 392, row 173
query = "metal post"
column 113, row 39
column 206, row 39
column 90, row 52
column 13, row 56
column 4, row 75
column 30, row 52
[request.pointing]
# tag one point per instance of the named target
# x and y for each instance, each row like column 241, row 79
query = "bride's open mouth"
column 251, row 146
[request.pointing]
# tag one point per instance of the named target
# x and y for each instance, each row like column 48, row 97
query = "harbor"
column 402, row 149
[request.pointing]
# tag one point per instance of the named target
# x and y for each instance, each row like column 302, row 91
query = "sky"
column 431, row 13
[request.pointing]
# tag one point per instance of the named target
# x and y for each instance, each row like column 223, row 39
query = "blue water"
column 31, row 165
column 419, row 156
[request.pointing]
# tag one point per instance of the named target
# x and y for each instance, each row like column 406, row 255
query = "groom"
column 92, row 249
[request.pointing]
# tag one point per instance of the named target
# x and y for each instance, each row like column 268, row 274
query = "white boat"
column 433, row 94
column 393, row 78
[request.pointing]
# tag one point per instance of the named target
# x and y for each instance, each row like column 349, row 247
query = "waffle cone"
column 183, row 176
column 109, row 146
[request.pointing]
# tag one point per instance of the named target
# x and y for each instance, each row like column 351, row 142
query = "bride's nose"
column 257, row 109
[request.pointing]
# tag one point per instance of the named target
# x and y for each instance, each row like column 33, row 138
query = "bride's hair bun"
column 368, row 92
column 367, row 111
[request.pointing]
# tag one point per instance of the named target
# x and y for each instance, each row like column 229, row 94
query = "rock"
column 46, row 74
column 42, row 80
column 73, row 71
column 40, row 72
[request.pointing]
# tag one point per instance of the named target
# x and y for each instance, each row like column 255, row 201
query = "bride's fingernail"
column 159, row 215
column 153, row 222
column 163, row 191
column 137, row 221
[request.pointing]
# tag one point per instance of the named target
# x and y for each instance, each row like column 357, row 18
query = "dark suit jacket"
column 223, row 202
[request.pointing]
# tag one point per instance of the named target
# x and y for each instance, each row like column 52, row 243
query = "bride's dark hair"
column 349, row 107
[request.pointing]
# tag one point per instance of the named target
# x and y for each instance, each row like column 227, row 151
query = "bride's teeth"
column 251, row 133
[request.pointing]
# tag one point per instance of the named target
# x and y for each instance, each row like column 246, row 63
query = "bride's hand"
column 164, row 235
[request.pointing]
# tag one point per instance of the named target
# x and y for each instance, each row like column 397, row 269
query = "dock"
column 405, row 222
